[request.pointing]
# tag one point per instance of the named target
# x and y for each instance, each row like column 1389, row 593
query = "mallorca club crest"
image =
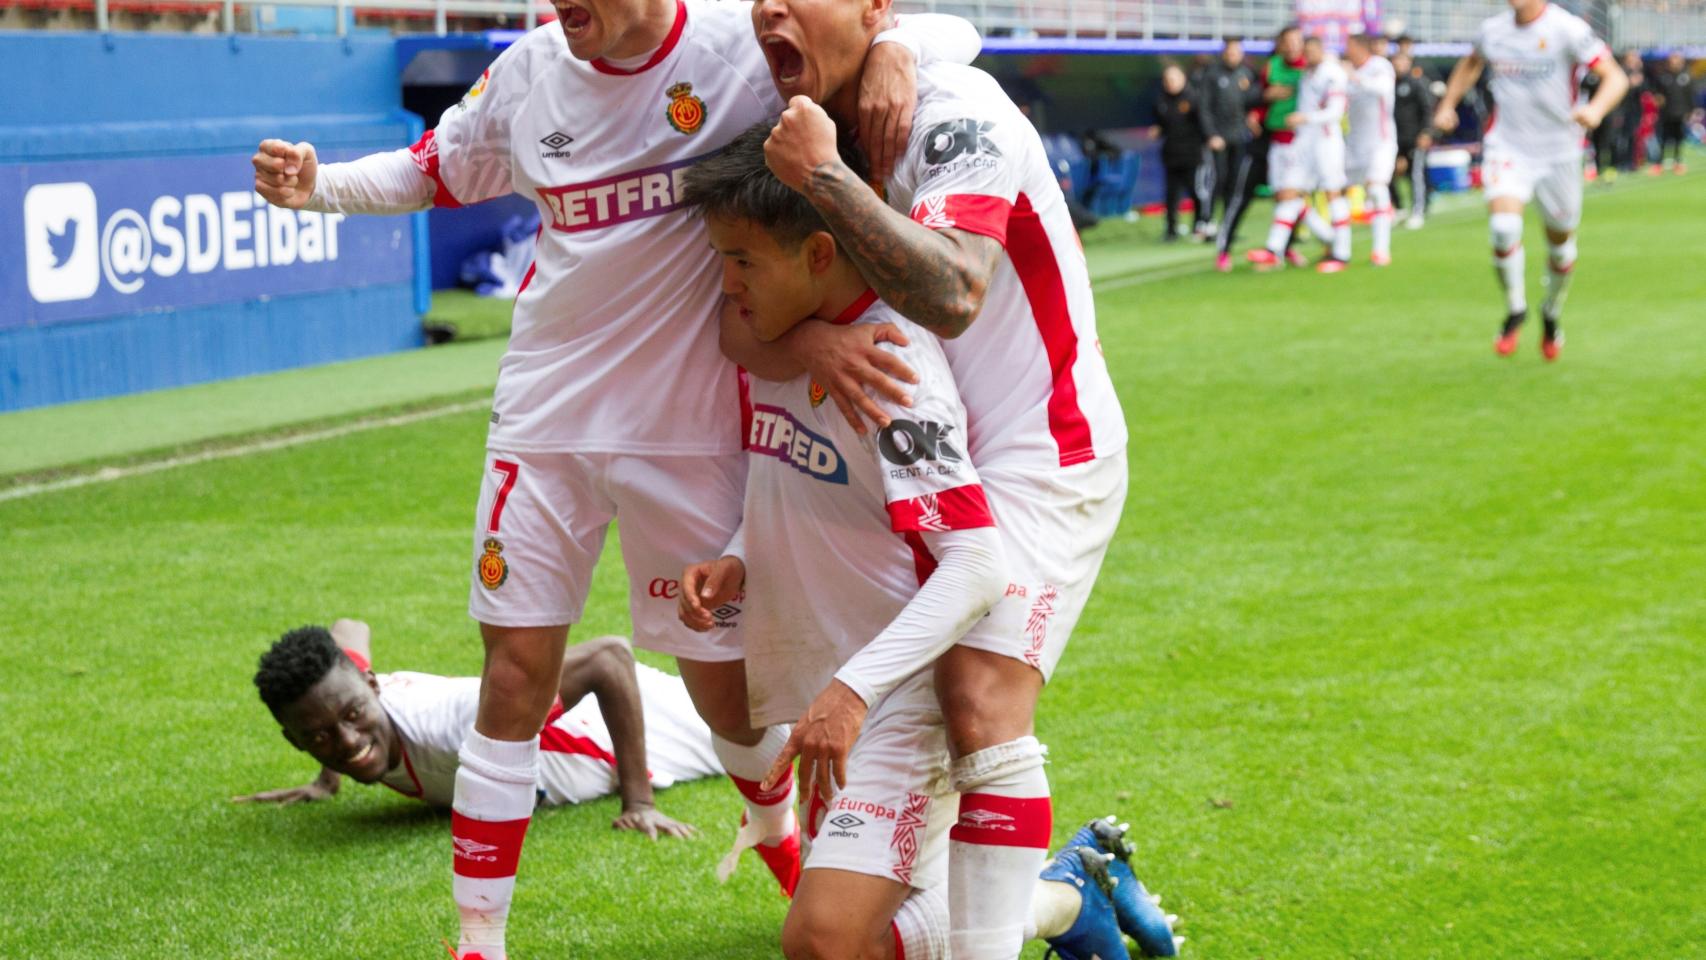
column 686, row 112
column 494, row 569
column 478, row 88
column 816, row 394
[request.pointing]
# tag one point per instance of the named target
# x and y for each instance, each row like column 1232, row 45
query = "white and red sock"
column 1339, row 208
column 997, row 848
column 1506, row 231
column 496, row 782
column 769, row 819
column 921, row 927
column 1286, row 213
column 1380, row 218
column 1317, row 224
column 1560, row 266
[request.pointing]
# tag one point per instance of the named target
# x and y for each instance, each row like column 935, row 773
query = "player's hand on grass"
column 307, row 793
column 822, row 739
column 888, row 93
column 648, row 820
column 846, row 362
column 707, row 586
column 1445, row 120
column 1587, row 116
column 284, row 173
column 802, row 140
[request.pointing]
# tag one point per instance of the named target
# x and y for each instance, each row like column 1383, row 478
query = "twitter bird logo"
column 61, row 242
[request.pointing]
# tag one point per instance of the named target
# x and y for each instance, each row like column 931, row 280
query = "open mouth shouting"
column 576, row 20
column 787, row 65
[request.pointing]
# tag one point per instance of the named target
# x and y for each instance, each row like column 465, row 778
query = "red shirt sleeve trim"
column 972, row 212
column 857, row 308
column 425, row 154
column 959, row 508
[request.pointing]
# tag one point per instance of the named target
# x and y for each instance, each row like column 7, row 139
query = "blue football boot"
column 1139, row 911
column 1095, row 935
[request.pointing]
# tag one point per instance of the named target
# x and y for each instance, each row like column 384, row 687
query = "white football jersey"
column 1322, row 92
column 1030, row 368
column 833, row 519
column 1536, row 70
column 1372, row 92
column 622, row 297
column 433, row 715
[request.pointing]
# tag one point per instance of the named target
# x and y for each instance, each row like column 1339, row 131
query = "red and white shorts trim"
column 1056, row 528
column 540, row 526
column 892, row 818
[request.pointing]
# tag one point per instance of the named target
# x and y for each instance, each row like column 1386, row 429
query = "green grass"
column 1399, row 652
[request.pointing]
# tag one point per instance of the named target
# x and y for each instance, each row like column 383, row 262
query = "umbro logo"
column 846, row 821
column 555, row 144
column 474, row 850
column 987, row 820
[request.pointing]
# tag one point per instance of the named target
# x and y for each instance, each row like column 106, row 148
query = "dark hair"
column 296, row 662
column 1288, row 28
column 1365, row 39
column 735, row 183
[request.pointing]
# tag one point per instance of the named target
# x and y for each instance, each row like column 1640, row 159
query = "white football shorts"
column 1329, row 163
column 1055, row 528
column 1291, row 166
column 1371, row 163
column 540, row 527
column 1556, row 184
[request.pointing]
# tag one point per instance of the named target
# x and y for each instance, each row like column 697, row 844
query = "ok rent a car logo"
column 70, row 247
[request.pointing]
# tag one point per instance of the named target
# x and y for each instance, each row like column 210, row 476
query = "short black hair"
column 297, row 661
column 1365, row 39
column 1288, row 28
column 736, row 184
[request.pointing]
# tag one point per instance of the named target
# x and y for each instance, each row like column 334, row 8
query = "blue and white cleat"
column 1095, row 935
column 1139, row 911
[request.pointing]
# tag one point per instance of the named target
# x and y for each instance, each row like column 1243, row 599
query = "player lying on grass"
column 862, row 560
column 1533, row 145
column 615, row 721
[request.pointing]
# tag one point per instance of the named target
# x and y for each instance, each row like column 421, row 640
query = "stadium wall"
column 147, row 259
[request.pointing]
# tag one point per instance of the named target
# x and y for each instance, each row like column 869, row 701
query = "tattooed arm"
column 936, row 278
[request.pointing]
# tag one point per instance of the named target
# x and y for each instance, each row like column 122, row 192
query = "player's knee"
column 821, row 934
column 985, row 698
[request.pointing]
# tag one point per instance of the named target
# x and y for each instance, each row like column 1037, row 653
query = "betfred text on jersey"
column 650, row 192
column 775, row 433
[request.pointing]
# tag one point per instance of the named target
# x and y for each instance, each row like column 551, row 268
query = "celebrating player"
column 1291, row 164
column 861, row 563
column 1533, row 144
column 1318, row 121
column 1371, row 148
column 613, row 399
column 978, row 232
column 618, row 726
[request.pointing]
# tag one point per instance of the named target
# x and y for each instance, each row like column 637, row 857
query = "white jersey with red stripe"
column 833, row 519
column 1373, row 93
column 577, row 763
column 1536, row 70
column 1321, row 95
column 623, row 291
column 1030, row 368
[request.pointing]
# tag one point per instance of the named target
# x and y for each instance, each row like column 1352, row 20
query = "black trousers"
column 1670, row 138
column 1415, row 177
column 1224, row 188
column 1250, row 172
column 1604, row 147
column 1183, row 181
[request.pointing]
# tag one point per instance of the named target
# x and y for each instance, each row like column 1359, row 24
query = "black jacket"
column 1227, row 95
column 1678, row 89
column 1413, row 108
column 1183, row 132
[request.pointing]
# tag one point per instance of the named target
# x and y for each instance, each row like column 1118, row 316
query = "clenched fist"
column 284, row 174
column 802, row 139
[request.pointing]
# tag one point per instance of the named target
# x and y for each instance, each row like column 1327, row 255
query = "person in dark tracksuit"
column 1602, row 140
column 1412, row 112
column 1631, row 151
column 1229, row 90
column 1179, row 124
column 1675, row 88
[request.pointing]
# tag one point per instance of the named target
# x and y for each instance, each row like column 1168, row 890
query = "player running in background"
column 861, row 562
column 617, row 727
column 978, row 231
column 1371, row 148
column 1319, row 122
column 1290, row 165
column 594, row 118
column 1533, row 144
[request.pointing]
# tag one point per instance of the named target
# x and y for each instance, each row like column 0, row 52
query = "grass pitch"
column 1399, row 653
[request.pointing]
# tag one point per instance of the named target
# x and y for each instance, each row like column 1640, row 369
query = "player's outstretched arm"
column 322, row 787
column 1463, row 77
column 937, row 278
column 604, row 667
column 291, row 176
column 285, row 172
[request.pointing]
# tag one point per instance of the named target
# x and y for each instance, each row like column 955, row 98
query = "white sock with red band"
column 496, row 784
column 921, row 927
column 1285, row 220
column 769, row 812
column 1561, row 266
column 1340, row 210
column 1506, row 231
column 1316, row 223
column 997, row 848
column 1380, row 217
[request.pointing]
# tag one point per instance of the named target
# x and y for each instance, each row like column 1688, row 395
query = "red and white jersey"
column 1030, row 368
column 839, row 517
column 1372, row 94
column 1536, row 70
column 1322, row 95
column 433, row 714
column 614, row 343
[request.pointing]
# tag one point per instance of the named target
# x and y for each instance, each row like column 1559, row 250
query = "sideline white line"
column 108, row 474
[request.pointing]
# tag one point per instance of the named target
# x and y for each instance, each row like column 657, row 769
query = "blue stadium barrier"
column 148, row 261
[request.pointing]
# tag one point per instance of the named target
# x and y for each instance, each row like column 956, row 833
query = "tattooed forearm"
column 937, row 279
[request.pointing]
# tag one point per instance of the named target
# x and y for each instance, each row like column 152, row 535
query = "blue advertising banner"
column 106, row 237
